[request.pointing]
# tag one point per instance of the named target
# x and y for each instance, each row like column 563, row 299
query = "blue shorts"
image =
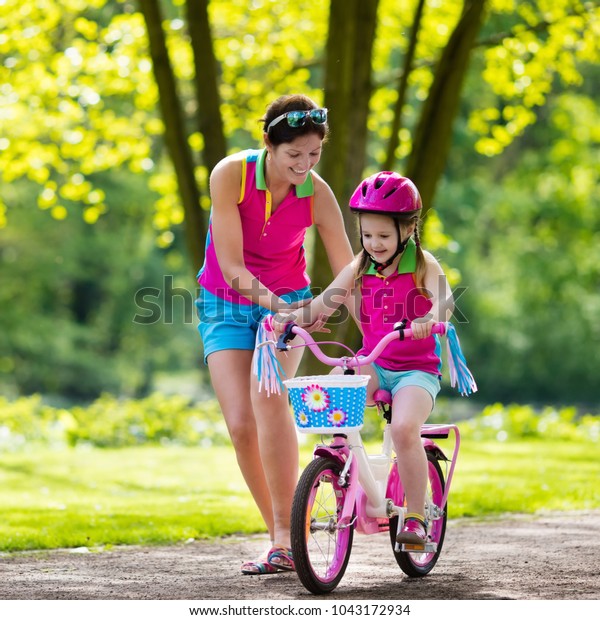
column 393, row 380
column 225, row 325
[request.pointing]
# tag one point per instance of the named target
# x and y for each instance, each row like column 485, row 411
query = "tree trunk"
column 208, row 116
column 176, row 136
column 347, row 94
column 433, row 135
column 348, row 88
column 390, row 160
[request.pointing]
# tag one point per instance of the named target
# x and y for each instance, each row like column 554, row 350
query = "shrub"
column 112, row 422
column 504, row 422
column 158, row 419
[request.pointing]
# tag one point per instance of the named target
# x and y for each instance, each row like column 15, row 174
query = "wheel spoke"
column 324, row 521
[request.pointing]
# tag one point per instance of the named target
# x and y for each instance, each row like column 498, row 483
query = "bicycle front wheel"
column 419, row 564
column 320, row 544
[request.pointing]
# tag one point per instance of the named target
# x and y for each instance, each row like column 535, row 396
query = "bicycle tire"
column 420, row 564
column 321, row 549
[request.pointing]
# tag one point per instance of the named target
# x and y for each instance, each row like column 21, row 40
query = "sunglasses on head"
column 297, row 118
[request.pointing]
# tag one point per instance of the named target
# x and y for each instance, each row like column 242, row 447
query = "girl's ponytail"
column 421, row 261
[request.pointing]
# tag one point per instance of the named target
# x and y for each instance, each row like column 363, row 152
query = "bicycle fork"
column 340, row 452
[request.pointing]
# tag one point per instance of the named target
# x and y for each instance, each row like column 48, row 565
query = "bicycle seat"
column 382, row 396
column 428, row 431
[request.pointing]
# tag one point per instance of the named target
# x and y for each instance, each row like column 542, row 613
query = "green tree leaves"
column 546, row 41
column 77, row 99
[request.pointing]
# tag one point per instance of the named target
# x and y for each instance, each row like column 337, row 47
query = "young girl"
column 393, row 279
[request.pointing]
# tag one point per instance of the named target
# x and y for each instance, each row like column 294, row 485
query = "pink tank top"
column 273, row 242
column 387, row 300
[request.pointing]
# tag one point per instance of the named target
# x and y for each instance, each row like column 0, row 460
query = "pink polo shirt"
column 273, row 242
column 387, row 300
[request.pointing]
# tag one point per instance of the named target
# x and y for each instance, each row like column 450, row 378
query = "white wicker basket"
column 328, row 403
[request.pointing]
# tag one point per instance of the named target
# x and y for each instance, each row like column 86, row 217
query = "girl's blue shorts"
column 394, row 380
column 225, row 325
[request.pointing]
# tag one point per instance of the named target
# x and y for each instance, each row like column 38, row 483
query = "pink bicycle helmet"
column 386, row 193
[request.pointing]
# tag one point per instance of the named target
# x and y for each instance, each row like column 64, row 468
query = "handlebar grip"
column 287, row 335
column 438, row 328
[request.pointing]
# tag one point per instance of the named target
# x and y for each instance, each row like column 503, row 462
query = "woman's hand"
column 281, row 320
column 302, row 319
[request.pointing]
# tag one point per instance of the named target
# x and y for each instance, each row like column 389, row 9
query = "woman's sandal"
column 281, row 558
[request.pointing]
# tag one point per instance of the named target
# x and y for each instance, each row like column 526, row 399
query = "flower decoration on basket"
column 315, row 397
column 337, row 417
column 303, row 419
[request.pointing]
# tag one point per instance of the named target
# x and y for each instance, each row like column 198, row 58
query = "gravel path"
column 550, row 556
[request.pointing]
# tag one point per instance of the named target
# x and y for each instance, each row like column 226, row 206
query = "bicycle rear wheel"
column 419, row 564
column 321, row 546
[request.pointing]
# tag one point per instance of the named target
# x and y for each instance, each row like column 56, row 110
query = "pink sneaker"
column 414, row 532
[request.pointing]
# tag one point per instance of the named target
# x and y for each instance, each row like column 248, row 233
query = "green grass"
column 144, row 495
column 150, row 495
column 492, row 478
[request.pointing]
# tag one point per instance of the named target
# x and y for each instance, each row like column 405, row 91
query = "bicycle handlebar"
column 350, row 362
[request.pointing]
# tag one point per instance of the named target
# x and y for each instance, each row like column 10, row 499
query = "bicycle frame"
column 349, row 451
column 369, row 495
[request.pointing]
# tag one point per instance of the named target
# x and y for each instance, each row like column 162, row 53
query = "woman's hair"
column 402, row 220
column 282, row 132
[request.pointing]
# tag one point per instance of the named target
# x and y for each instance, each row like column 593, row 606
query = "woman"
column 262, row 204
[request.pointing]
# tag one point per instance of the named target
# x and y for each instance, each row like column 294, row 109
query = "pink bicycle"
column 345, row 489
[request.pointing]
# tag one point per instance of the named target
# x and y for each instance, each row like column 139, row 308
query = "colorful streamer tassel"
column 266, row 366
column 460, row 375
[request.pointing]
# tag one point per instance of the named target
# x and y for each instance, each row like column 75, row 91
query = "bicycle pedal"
column 428, row 547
